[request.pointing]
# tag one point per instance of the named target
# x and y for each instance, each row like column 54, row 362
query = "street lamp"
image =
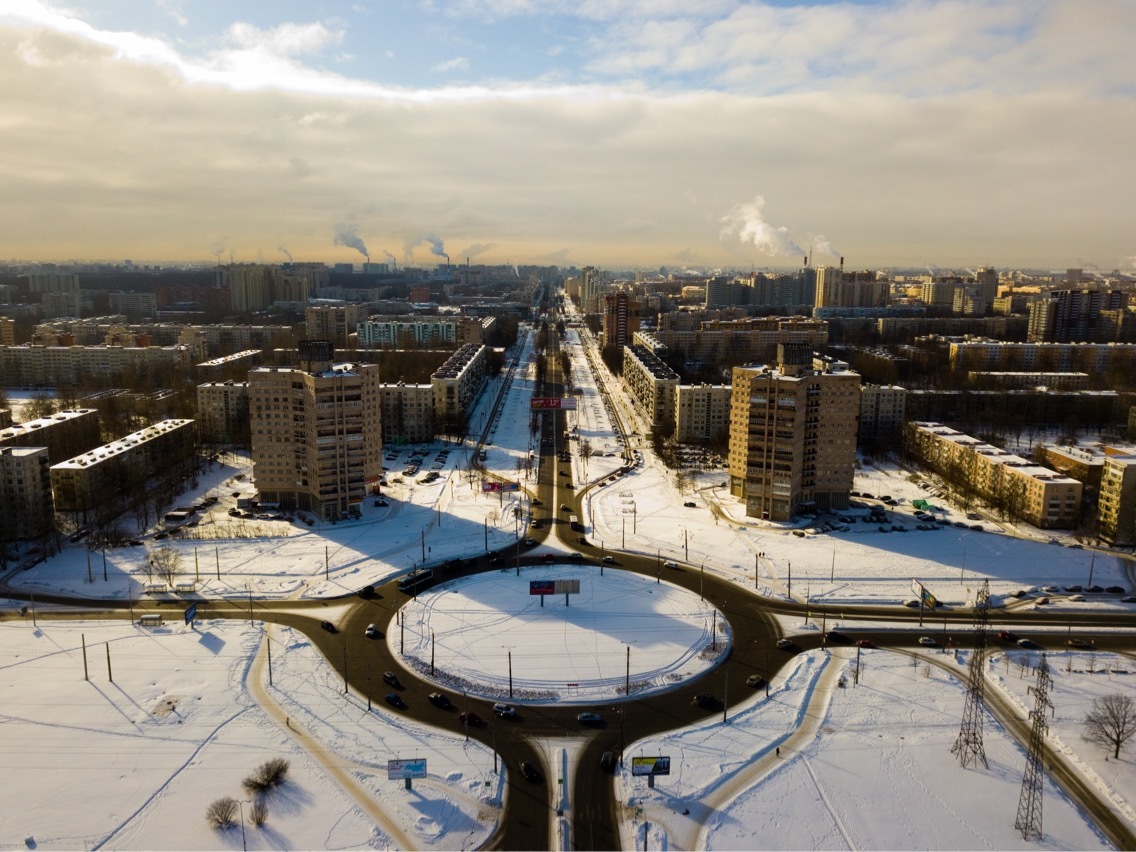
column 241, row 805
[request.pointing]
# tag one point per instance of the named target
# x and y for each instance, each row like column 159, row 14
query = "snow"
column 865, row 766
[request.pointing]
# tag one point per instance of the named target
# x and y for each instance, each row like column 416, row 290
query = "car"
column 913, row 603
column 392, row 679
column 1050, row 589
column 371, row 632
column 589, row 718
column 496, row 560
column 549, row 557
column 1007, row 636
column 504, row 711
column 1096, row 590
column 837, row 637
column 607, row 762
column 1077, row 546
column 756, row 681
column 1073, row 589
column 690, row 504
column 530, row 542
column 530, row 772
column 1129, row 599
column 1076, row 598
column 1076, row 642
column 394, row 699
column 960, row 524
column 977, row 527
column 468, row 717
column 440, row 699
column 1027, row 643
column 381, row 503
column 609, row 559
column 973, row 516
column 1041, row 602
column 1115, row 590
column 536, row 501
column 866, row 643
column 576, row 555
column 671, row 565
column 799, row 533
column 785, row 644
column 564, row 507
column 929, row 641
column 329, row 627
column 705, row 699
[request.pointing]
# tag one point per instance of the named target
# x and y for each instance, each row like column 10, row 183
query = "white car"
column 927, row 640
column 504, row 710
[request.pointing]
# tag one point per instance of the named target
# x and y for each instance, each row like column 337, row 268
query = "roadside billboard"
column 492, row 487
column 567, row 403
column 542, row 587
column 651, row 766
column 399, row 769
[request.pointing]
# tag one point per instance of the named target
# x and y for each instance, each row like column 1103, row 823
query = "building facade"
column 651, row 385
column 408, row 413
column 223, row 412
column 456, row 385
column 25, row 493
column 702, row 413
column 336, row 323
column 620, row 319
column 792, row 436
column 316, row 432
column 65, row 433
column 882, row 412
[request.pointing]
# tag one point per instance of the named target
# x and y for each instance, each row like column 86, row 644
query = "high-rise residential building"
column 620, row 319
column 1116, row 505
column 316, row 432
column 53, row 282
column 335, row 323
column 651, row 385
column 25, row 493
column 1073, row 316
column 134, row 306
column 882, row 410
column 223, row 412
column 7, row 331
column 986, row 279
column 793, row 435
column 249, row 285
column 836, row 288
column 702, row 413
column 408, row 413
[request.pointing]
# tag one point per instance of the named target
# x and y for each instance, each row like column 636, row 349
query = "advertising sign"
column 651, row 766
column 399, row 769
column 190, row 613
column 542, row 587
column 493, row 487
column 567, row 587
column 567, row 403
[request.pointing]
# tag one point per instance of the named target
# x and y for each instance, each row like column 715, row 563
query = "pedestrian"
column 778, row 751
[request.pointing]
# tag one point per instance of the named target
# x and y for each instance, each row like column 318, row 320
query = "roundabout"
column 493, row 635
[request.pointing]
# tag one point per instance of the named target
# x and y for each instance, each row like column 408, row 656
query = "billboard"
column 566, row 403
column 929, row 600
column 190, row 613
column 500, row 486
column 650, row 766
column 542, row 587
column 567, row 587
column 398, row 769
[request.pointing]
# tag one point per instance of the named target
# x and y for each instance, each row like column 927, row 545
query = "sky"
column 677, row 133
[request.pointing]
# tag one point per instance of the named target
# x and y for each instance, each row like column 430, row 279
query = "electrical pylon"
column 968, row 745
column 1028, row 821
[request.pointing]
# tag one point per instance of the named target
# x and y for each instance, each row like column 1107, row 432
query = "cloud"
column 745, row 222
column 458, row 63
column 286, row 39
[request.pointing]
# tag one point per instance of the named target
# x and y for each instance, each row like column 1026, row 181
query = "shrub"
column 269, row 774
column 221, row 811
column 259, row 813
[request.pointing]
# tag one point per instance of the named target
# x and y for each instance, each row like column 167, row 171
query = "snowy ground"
column 131, row 758
column 866, row 766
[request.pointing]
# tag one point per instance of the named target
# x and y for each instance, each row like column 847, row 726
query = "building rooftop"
column 116, row 448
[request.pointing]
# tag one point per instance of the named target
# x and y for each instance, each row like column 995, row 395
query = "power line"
column 1028, row 821
column 968, row 745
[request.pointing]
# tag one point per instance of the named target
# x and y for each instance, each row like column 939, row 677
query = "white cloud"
column 286, row 39
column 458, row 63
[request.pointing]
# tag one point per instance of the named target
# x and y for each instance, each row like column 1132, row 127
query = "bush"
column 269, row 774
column 259, row 813
column 221, row 811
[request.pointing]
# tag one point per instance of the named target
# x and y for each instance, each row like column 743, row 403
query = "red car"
column 1007, row 636
column 866, row 643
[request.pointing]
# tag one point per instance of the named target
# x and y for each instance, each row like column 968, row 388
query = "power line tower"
column 968, row 745
column 1028, row 821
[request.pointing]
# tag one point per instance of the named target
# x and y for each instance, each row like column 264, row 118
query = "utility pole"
column 969, row 746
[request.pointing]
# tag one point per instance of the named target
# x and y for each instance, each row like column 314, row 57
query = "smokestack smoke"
column 436, row 246
column 287, row 253
column 346, row 235
column 747, row 223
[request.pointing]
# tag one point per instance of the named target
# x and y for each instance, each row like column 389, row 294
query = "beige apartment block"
column 456, row 385
column 223, row 412
column 792, row 436
column 702, row 413
column 336, row 323
column 316, row 432
column 1017, row 486
column 25, row 493
column 1116, row 502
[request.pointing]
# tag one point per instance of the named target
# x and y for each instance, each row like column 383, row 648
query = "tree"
column 221, row 812
column 166, row 562
column 585, row 451
column 1111, row 722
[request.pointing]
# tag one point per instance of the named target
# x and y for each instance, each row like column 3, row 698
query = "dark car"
column 1073, row 589
column 439, row 699
column 329, row 627
column 392, row 679
column 589, row 718
column 607, row 762
column 1115, row 590
column 866, row 643
column 690, row 505
column 785, row 644
column 837, row 637
column 468, row 717
column 530, row 772
column 367, row 592
column 1096, row 590
column 394, row 699
column 705, row 699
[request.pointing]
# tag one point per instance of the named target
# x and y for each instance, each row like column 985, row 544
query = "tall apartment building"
column 116, row 472
column 53, row 282
column 620, row 319
column 25, row 493
column 7, row 331
column 135, row 306
column 702, row 413
column 65, row 433
column 408, row 413
column 651, row 385
column 1070, row 316
column 1028, row 491
column 792, row 436
column 335, row 323
column 986, row 278
column 249, row 285
column 882, row 409
column 836, row 288
column 316, row 431
column 64, row 303
column 1116, row 503
column 456, row 385
column 223, row 412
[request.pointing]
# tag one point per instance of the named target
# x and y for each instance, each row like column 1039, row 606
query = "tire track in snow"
column 828, row 804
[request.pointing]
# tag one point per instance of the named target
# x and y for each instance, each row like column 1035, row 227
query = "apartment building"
column 135, row 306
column 1035, row 494
column 223, row 412
column 651, row 384
column 620, row 319
column 64, row 434
column 1042, row 357
column 397, row 331
column 882, row 412
column 335, row 323
column 793, row 435
column 107, row 473
column 42, row 366
column 408, row 413
column 702, row 413
column 456, row 385
column 25, row 493
column 1116, row 502
column 316, row 431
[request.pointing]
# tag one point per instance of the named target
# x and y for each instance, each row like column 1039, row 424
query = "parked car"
column 589, row 718
column 929, row 641
column 1115, row 590
column 1007, row 636
column 394, row 699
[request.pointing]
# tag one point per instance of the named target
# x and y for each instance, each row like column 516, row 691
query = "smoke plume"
column 747, row 223
column 819, row 244
column 435, row 242
column 287, row 253
column 390, row 257
column 346, row 235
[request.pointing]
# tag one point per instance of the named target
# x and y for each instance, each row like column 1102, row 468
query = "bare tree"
column 221, row 812
column 1111, row 722
column 166, row 563
column 586, row 451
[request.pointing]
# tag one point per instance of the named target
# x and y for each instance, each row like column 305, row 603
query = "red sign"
column 545, row 402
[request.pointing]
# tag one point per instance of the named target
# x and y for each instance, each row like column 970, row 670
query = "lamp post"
column 241, row 805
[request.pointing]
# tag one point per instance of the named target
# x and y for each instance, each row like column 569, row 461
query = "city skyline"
column 618, row 133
